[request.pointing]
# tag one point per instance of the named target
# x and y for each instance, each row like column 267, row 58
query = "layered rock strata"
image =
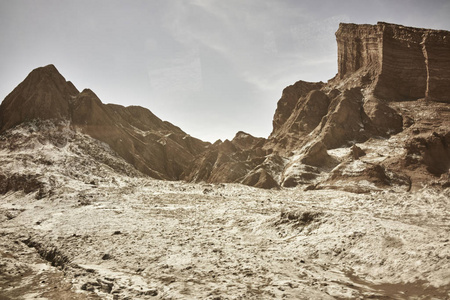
column 382, row 122
column 408, row 63
column 314, row 123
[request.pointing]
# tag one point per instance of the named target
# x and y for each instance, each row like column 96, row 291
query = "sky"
column 211, row 67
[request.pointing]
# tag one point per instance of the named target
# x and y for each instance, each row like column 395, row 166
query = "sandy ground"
column 147, row 239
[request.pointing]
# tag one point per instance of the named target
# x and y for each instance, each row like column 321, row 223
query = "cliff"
column 382, row 122
column 407, row 63
column 356, row 128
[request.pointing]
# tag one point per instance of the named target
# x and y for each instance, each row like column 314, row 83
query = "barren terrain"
column 86, row 231
column 355, row 205
column 148, row 239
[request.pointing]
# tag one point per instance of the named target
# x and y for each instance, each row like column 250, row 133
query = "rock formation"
column 385, row 72
column 44, row 94
column 408, row 63
column 156, row 148
column 381, row 122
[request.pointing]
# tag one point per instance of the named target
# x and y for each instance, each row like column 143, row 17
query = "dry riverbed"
column 147, row 239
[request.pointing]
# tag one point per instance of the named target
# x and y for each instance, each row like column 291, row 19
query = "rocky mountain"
column 382, row 122
column 81, row 217
column 362, row 130
column 154, row 147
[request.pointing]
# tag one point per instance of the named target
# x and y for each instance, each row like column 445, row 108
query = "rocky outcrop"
column 289, row 132
column 382, row 122
column 385, row 120
column 154, row 147
column 379, row 65
column 289, row 100
column 362, row 177
column 241, row 160
column 407, row 63
column 432, row 151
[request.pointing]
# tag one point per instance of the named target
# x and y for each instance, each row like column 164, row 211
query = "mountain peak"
column 44, row 94
column 47, row 68
column 50, row 75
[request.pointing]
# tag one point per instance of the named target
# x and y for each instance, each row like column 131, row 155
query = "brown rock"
column 379, row 67
column 303, row 174
column 305, row 117
column 289, row 100
column 433, row 151
column 364, row 178
column 344, row 122
column 44, row 94
column 357, row 152
column 385, row 120
column 317, row 155
column 245, row 141
column 21, row 182
column 409, row 63
column 154, row 147
column 260, row 179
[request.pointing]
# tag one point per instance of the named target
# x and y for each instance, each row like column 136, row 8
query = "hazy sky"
column 210, row 67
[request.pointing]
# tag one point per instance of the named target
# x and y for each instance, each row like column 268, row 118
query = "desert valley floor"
column 134, row 238
column 355, row 205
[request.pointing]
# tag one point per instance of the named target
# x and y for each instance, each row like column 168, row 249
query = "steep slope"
column 381, row 122
column 156, row 148
column 240, row 160
column 44, row 94
column 383, row 102
column 43, row 155
column 408, row 63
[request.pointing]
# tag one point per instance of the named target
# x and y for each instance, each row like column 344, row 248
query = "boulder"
column 261, row 179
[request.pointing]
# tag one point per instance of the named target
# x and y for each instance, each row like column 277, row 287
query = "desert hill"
column 381, row 122
column 154, row 147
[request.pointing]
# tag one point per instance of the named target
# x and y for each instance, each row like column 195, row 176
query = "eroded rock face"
column 391, row 92
column 154, row 147
column 433, row 151
column 304, row 118
column 289, row 99
column 385, row 120
column 241, row 160
column 409, row 63
column 379, row 65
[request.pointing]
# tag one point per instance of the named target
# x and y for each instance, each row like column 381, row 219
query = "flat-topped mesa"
column 408, row 63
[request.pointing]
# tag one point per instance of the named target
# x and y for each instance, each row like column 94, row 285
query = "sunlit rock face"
column 408, row 63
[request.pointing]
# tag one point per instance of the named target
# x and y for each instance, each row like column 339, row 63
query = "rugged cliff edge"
column 359, row 130
column 407, row 63
column 383, row 122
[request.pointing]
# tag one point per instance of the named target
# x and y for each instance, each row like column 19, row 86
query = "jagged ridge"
column 379, row 67
column 400, row 144
column 156, row 148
